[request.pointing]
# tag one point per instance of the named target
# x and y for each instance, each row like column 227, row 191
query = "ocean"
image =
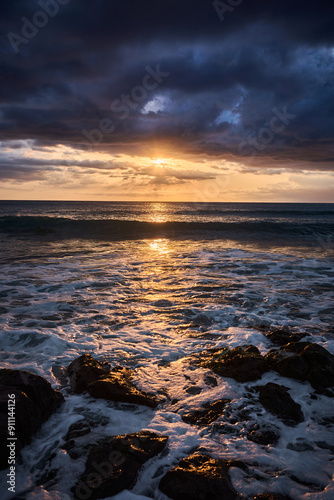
column 149, row 286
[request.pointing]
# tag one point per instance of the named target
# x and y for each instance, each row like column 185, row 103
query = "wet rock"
column 193, row 390
column 74, row 445
column 163, row 303
column 325, row 446
column 225, row 428
column 35, row 402
column 201, row 320
column 243, row 363
column 288, row 365
column 300, row 447
column 305, row 361
column 264, row 437
column 48, row 479
column 113, row 464
column 87, row 374
column 282, row 336
column 276, row 399
column 199, row 476
column 81, row 428
column 86, row 370
column 327, row 421
column 210, row 381
column 207, row 414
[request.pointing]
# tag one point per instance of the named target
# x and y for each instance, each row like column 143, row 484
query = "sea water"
column 149, row 286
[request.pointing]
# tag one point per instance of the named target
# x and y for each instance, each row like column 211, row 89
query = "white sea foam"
column 151, row 305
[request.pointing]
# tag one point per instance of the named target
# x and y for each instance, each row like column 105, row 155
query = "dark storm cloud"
column 225, row 78
column 15, row 167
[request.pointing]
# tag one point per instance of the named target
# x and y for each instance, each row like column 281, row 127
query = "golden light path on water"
column 160, row 246
column 154, row 305
column 159, row 212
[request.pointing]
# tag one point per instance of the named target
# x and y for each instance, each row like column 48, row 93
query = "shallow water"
column 151, row 304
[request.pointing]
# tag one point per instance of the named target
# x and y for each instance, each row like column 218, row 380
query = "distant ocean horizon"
column 291, row 224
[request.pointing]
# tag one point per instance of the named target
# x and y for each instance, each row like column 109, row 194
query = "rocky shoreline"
column 113, row 463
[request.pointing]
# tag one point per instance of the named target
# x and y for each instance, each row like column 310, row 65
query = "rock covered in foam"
column 243, row 363
column 276, row 399
column 307, row 362
column 207, row 414
column 282, row 335
column 88, row 374
column 263, row 436
column 304, row 361
column 199, row 476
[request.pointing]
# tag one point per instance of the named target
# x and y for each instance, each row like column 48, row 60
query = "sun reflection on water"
column 158, row 212
column 160, row 246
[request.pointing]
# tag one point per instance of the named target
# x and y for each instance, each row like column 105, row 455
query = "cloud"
column 224, row 81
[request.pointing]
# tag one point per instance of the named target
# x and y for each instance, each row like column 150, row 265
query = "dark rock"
column 113, row 464
column 224, row 428
column 325, row 446
column 288, row 365
column 210, row 381
column 194, row 390
column 244, row 363
column 201, row 320
column 207, row 414
column 276, row 399
column 163, row 303
column 327, row 421
column 74, row 448
column 264, row 437
column 48, row 478
column 35, row 402
column 305, row 361
column 310, row 485
column 300, row 447
column 87, row 374
column 81, row 428
column 282, row 336
column 86, row 370
column 199, row 477
column 237, row 463
column 271, row 496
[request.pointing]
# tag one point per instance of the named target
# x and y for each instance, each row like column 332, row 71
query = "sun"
column 159, row 162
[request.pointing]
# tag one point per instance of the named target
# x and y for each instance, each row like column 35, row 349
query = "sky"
column 205, row 101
